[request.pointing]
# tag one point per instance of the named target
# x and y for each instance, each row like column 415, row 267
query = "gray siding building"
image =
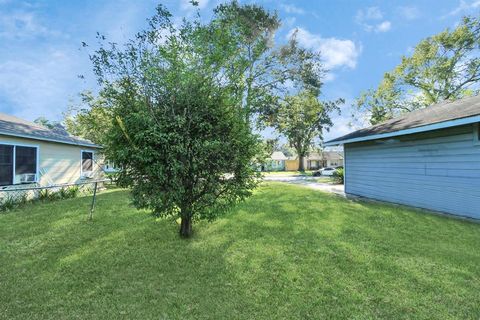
column 428, row 158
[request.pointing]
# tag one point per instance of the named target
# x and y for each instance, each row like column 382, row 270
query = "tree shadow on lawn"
column 378, row 251
column 290, row 252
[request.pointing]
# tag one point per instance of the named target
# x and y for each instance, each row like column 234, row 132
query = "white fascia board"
column 430, row 127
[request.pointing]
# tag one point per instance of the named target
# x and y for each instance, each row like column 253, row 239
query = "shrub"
column 23, row 199
column 44, row 195
column 8, row 203
column 339, row 175
column 68, row 192
column 73, row 191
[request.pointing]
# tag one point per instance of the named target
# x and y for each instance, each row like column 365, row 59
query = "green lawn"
column 287, row 253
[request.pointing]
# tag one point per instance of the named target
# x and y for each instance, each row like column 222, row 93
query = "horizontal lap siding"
column 437, row 170
column 59, row 163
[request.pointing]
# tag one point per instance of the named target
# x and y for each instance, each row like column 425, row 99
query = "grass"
column 288, row 252
column 325, row 179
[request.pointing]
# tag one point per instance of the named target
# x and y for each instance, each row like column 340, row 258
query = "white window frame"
column 83, row 173
column 476, row 134
column 14, row 161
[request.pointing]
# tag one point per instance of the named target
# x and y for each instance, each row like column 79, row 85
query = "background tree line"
column 179, row 105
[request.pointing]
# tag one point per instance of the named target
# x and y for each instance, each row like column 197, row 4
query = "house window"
column 18, row 164
column 87, row 162
column 25, row 160
column 6, row 165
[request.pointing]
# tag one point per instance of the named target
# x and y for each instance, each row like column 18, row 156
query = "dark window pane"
column 25, row 160
column 6, row 165
column 87, row 161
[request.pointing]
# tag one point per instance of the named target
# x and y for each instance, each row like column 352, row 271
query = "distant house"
column 30, row 153
column 332, row 158
column 313, row 161
column 276, row 162
column 428, row 158
column 316, row 160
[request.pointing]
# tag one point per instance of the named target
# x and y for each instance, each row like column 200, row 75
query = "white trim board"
column 476, row 134
column 430, row 127
column 26, row 136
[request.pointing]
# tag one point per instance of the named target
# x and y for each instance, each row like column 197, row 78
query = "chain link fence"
column 12, row 197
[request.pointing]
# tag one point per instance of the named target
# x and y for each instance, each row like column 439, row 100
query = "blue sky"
column 40, row 55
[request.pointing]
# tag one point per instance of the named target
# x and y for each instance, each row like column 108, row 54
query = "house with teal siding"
column 429, row 158
column 276, row 162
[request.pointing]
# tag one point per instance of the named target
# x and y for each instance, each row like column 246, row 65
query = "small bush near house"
column 44, row 195
column 8, row 203
column 68, row 192
column 339, row 175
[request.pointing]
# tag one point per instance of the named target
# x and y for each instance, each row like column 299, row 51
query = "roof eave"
column 26, row 136
column 430, row 127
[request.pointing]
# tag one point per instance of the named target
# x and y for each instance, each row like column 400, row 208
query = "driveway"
column 309, row 182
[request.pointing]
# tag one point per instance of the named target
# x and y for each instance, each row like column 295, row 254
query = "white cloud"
column 383, row 27
column 342, row 123
column 336, row 53
column 187, row 4
column 289, row 22
column 289, row 8
column 15, row 25
column 329, row 77
column 409, row 12
column 40, row 87
column 464, row 6
column 370, row 13
column 369, row 19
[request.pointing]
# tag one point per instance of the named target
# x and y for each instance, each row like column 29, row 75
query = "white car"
column 329, row 171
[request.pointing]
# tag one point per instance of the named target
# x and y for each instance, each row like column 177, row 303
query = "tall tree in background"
column 260, row 70
column 301, row 119
column 91, row 119
column 55, row 126
column 271, row 145
column 184, row 145
column 445, row 66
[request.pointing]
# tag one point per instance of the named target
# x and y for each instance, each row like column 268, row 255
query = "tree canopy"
column 91, row 119
column 261, row 70
column 445, row 66
column 302, row 118
column 181, row 121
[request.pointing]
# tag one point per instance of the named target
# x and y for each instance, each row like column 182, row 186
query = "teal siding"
column 275, row 165
column 438, row 170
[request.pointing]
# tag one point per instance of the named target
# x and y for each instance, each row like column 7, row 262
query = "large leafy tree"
column 445, row 66
column 91, row 119
column 302, row 118
column 184, row 145
column 261, row 71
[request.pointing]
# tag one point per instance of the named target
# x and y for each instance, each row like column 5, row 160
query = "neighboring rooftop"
column 278, row 155
column 324, row 155
column 333, row 155
column 16, row 127
column 425, row 118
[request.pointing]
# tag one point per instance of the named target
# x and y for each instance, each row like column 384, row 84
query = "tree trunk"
column 186, row 227
column 301, row 166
